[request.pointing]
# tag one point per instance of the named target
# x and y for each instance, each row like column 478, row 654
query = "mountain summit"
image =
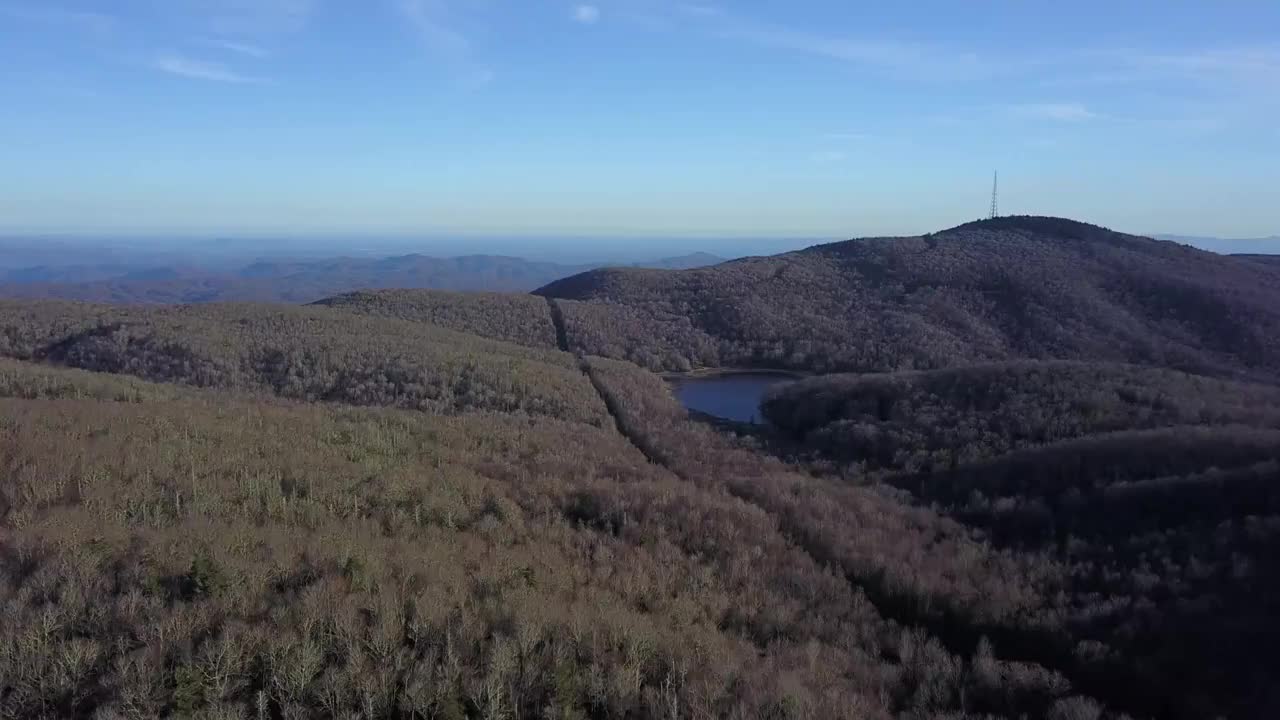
column 1009, row 287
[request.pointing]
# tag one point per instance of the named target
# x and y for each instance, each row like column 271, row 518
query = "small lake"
column 732, row 396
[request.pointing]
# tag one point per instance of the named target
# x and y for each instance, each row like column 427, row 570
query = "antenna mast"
column 995, row 186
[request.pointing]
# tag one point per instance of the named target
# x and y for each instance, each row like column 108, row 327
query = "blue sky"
column 649, row 118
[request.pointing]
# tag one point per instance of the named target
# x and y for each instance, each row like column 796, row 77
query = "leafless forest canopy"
column 1040, row 481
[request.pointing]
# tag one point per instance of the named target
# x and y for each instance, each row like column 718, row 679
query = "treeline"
column 1004, row 289
column 312, row 354
column 940, row 419
column 520, row 319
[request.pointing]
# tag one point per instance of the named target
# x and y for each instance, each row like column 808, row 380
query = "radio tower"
column 995, row 186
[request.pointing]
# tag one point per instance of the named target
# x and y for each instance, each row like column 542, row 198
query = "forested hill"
column 249, row 511
column 1014, row 287
column 1153, row 488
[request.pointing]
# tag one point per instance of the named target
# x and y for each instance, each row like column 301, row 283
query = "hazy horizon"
column 650, row 118
column 576, row 251
column 231, row 251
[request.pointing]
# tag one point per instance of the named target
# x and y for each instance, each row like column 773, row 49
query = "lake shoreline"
column 710, row 373
column 730, row 394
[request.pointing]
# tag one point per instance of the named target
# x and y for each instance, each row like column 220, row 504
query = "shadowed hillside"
column 1156, row 490
column 1131, row 562
column 938, row 419
column 1020, row 287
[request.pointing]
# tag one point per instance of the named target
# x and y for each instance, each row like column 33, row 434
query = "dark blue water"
column 733, row 397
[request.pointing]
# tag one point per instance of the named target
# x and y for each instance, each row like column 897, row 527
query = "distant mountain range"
column 1269, row 259
column 297, row 281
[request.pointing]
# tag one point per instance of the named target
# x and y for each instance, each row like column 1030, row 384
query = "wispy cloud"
column 437, row 26
column 1057, row 111
column 886, row 55
column 1252, row 62
column 1251, row 73
column 700, row 10
column 893, row 56
column 193, row 69
column 1224, row 68
column 239, row 48
column 586, row 14
column 430, row 18
column 248, row 29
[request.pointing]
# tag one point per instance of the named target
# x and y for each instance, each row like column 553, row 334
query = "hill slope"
column 503, row 530
column 1157, row 490
column 302, row 353
column 1019, row 287
column 941, row 418
column 522, row 319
